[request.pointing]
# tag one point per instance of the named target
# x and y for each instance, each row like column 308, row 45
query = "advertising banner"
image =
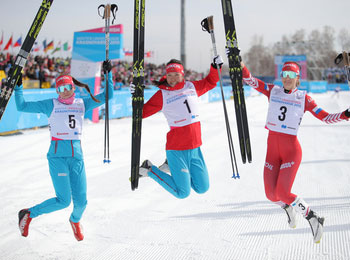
column 90, row 45
column 89, row 50
column 318, row 86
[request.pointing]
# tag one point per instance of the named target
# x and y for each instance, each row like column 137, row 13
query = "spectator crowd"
column 45, row 69
column 335, row 75
column 40, row 68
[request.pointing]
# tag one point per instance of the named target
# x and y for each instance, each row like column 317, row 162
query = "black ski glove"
column 107, row 66
column 347, row 113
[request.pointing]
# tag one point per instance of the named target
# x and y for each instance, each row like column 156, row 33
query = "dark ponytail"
column 83, row 85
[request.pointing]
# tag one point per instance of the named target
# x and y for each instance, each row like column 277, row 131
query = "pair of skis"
column 137, row 96
column 235, row 71
column 22, row 56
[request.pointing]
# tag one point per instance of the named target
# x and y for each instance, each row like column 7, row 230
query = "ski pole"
column 208, row 25
column 108, row 8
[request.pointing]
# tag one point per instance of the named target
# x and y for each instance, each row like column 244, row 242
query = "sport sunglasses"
column 62, row 88
column 290, row 74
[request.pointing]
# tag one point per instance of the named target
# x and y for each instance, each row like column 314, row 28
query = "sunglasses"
column 64, row 87
column 290, row 74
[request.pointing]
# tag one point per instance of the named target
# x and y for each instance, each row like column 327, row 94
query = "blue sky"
column 268, row 18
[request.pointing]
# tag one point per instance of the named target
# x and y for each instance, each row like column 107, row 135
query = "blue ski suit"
column 65, row 158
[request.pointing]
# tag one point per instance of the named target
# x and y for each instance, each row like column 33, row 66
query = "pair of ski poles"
column 208, row 25
column 108, row 9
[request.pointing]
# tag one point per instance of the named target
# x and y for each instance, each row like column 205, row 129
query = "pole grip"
column 210, row 23
column 346, row 58
column 107, row 13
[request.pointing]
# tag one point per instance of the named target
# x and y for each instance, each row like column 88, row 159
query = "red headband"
column 64, row 80
column 175, row 67
column 291, row 66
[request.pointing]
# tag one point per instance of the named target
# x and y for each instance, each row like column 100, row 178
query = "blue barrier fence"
column 13, row 120
column 318, row 86
column 121, row 106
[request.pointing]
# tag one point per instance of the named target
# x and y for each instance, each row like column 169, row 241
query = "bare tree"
column 318, row 46
column 259, row 58
column 344, row 39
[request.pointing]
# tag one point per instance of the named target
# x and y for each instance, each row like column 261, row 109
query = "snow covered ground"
column 233, row 220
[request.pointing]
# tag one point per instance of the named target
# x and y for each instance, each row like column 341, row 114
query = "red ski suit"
column 189, row 136
column 283, row 150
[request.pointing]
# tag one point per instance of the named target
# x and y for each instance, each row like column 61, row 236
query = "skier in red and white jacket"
column 178, row 99
column 287, row 105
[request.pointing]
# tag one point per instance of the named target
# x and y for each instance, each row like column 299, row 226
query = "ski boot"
column 165, row 167
column 24, row 220
column 145, row 168
column 77, row 230
column 316, row 224
column 291, row 216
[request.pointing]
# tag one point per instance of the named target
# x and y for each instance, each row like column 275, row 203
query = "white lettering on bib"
column 285, row 110
column 180, row 107
column 66, row 121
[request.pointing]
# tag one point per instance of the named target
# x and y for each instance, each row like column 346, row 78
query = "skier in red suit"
column 287, row 105
column 178, row 99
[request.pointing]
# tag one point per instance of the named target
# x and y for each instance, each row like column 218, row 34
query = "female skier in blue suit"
column 65, row 157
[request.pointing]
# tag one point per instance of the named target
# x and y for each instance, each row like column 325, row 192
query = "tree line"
column 319, row 46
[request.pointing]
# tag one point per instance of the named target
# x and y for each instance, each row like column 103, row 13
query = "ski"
column 137, row 96
column 21, row 58
column 236, row 79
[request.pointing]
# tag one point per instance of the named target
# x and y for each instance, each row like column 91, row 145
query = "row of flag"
column 9, row 43
column 148, row 54
column 45, row 46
